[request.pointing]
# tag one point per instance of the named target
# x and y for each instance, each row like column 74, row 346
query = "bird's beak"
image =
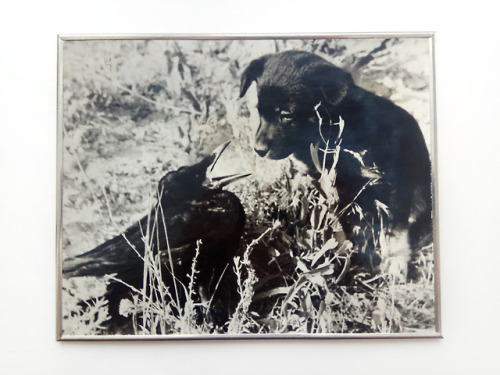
column 207, row 164
column 220, row 181
column 216, row 155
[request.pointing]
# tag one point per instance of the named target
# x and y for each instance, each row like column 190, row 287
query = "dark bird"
column 190, row 208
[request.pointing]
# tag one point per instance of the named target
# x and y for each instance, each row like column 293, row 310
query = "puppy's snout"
column 262, row 141
column 261, row 150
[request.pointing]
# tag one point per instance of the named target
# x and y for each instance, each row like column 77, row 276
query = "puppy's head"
column 289, row 85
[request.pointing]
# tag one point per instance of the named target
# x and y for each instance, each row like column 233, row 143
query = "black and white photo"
column 233, row 187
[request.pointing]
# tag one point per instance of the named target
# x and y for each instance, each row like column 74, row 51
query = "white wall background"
column 467, row 62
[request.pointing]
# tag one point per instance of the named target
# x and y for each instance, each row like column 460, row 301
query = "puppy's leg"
column 396, row 254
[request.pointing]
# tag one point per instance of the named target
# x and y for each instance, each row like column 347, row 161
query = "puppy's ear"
column 333, row 83
column 251, row 73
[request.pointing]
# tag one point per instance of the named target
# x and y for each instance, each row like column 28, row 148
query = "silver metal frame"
column 433, row 155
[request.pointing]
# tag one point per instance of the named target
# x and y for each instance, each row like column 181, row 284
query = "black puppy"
column 295, row 90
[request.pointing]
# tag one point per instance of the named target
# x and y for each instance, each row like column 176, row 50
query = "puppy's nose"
column 261, row 150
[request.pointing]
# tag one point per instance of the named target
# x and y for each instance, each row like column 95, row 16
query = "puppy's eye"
column 313, row 118
column 285, row 116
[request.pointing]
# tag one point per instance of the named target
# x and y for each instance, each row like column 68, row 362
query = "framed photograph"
column 279, row 186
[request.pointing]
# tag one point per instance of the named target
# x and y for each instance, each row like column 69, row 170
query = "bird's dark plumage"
column 187, row 210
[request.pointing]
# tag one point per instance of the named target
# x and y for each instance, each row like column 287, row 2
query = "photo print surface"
column 247, row 187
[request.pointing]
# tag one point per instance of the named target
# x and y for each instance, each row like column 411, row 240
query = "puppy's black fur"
column 290, row 84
